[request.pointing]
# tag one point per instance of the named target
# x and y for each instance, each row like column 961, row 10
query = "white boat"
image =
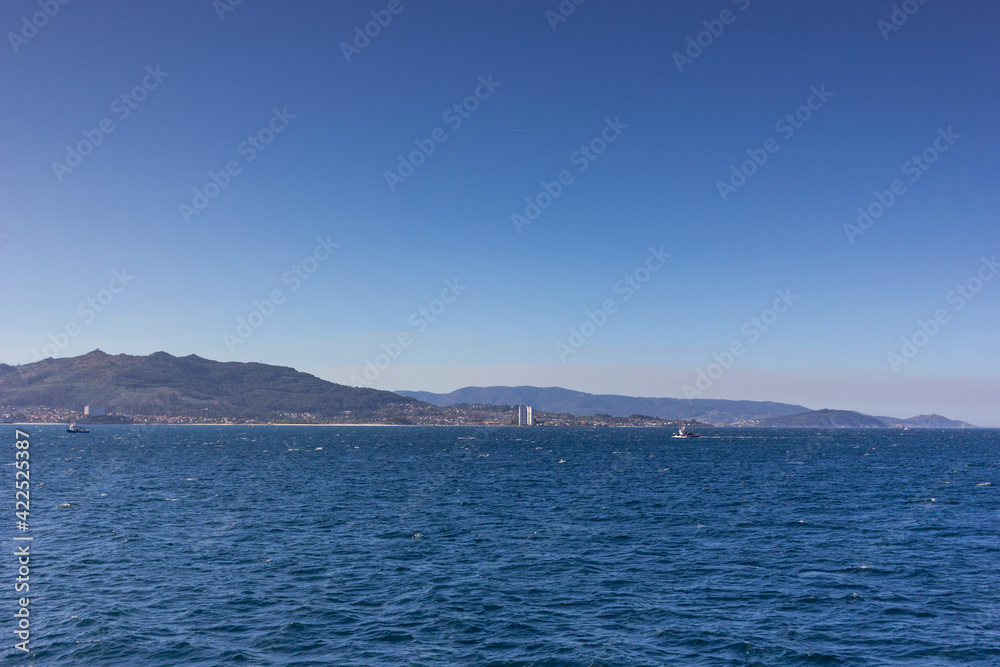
column 73, row 428
column 684, row 433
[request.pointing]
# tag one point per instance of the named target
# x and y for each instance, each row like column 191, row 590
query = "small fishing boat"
column 684, row 433
column 73, row 428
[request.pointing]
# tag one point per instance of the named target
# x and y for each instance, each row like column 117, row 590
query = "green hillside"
column 826, row 419
column 162, row 384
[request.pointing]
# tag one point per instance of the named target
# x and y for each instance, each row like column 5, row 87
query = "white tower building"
column 524, row 416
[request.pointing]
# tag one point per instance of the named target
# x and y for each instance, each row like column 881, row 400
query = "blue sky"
column 222, row 77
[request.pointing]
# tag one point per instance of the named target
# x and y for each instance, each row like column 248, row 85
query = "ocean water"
column 440, row 546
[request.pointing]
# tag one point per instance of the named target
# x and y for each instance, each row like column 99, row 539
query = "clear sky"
column 215, row 153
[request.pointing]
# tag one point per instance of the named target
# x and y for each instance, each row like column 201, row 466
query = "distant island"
column 850, row 419
column 162, row 388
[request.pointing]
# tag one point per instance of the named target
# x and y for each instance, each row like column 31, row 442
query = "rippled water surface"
column 433, row 546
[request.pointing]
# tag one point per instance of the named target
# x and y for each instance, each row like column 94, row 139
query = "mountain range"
column 557, row 399
column 161, row 384
column 713, row 411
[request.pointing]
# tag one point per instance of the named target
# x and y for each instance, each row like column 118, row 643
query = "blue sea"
column 281, row 545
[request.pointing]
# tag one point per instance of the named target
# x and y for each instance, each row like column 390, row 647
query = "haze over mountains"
column 826, row 419
column 165, row 385
column 715, row 411
column 926, row 421
column 557, row 399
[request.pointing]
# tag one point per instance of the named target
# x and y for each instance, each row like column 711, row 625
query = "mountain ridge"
column 717, row 411
column 559, row 399
column 161, row 384
column 926, row 421
column 826, row 419
column 190, row 386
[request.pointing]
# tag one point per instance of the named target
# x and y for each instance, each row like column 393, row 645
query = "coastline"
column 222, row 424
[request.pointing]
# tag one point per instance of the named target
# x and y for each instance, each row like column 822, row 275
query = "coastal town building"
column 524, row 416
